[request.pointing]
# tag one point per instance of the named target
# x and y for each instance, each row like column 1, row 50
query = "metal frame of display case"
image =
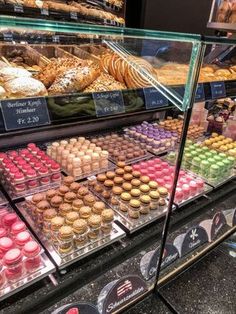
column 71, row 128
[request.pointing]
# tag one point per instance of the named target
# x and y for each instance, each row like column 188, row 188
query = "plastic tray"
column 27, row 279
column 64, row 260
column 130, row 224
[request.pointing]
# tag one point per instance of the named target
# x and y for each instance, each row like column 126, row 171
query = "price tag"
column 73, row 15
column 18, row 8
column 7, row 37
column 200, row 93
column 44, row 12
column 154, row 99
column 108, row 103
column 24, row 113
column 218, row 90
column 56, row 38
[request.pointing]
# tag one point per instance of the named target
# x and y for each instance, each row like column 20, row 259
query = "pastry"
column 75, row 186
column 89, row 200
column 56, row 223
column 11, row 73
column 107, row 218
column 50, row 194
column 71, row 217
column 56, row 201
column 3, row 93
column 69, row 197
column 65, row 236
column 145, row 204
column 68, row 180
column 36, row 198
column 134, row 209
column 77, row 204
column 98, row 207
column 24, row 87
column 94, row 223
column 85, row 212
column 63, row 189
column 64, row 209
column 73, row 80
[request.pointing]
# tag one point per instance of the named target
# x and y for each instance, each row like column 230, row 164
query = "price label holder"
column 119, row 293
column 200, row 93
column 73, row 16
column 149, row 262
column 18, row 8
column 76, row 308
column 108, row 103
column 7, row 37
column 24, row 113
column 44, row 12
column 214, row 226
column 56, row 39
column 218, row 90
column 190, row 240
column 154, row 99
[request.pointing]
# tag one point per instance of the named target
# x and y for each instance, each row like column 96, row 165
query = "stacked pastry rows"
column 84, row 9
column 226, row 12
column 106, row 72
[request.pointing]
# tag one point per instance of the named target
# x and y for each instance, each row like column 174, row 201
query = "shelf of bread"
column 22, row 259
column 223, row 15
column 70, row 222
column 59, row 10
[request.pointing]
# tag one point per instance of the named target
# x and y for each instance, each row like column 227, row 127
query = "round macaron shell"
column 12, row 256
column 31, row 248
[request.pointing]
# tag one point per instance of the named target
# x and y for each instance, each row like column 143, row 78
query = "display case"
column 97, row 125
column 222, row 16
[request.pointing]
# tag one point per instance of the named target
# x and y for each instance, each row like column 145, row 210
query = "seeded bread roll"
column 74, row 80
column 3, row 93
column 25, row 87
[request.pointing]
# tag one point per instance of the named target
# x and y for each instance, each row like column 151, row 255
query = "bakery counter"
column 122, row 257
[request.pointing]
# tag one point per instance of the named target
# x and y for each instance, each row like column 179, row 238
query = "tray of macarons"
column 70, row 221
column 136, row 198
column 22, row 259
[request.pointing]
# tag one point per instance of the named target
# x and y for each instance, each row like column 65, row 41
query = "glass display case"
column 222, row 16
column 114, row 148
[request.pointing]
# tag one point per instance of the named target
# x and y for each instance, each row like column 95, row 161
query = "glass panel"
column 149, row 59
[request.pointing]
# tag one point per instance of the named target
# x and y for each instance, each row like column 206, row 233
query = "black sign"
column 77, row 308
column 55, row 38
column 7, row 37
column 18, row 8
column 190, row 240
column 218, row 90
column 230, row 216
column 200, row 94
column 154, row 99
column 123, row 292
column 170, row 254
column 44, row 11
column 108, row 103
column 218, row 222
column 73, row 15
column 24, row 113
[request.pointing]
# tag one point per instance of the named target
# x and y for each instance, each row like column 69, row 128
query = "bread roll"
column 74, row 80
column 223, row 12
column 25, row 87
column 10, row 73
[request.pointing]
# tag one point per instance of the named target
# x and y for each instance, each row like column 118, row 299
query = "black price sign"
column 108, row 103
column 200, row 94
column 7, row 37
column 44, row 11
column 234, row 218
column 18, row 8
column 24, row 113
column 218, row 222
column 154, row 99
column 73, row 15
column 218, row 90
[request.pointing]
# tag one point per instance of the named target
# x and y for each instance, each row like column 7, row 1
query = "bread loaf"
column 24, row 87
column 10, row 73
column 74, row 80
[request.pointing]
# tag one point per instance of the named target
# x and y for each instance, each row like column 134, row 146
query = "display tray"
column 207, row 189
column 94, row 173
column 27, row 278
column 64, row 260
column 129, row 224
column 46, row 269
column 133, row 160
column 14, row 196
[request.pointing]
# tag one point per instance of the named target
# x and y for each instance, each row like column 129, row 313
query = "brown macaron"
column 64, row 209
column 70, row 197
column 98, row 207
column 68, row 180
column 85, row 212
column 50, row 194
column 63, row 189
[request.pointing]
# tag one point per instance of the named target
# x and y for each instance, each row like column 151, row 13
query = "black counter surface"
column 207, row 287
